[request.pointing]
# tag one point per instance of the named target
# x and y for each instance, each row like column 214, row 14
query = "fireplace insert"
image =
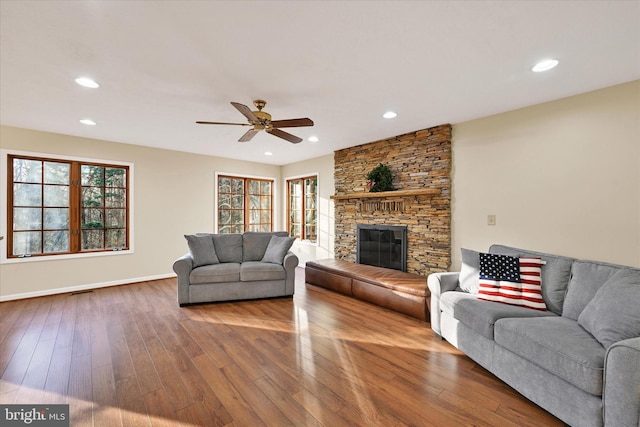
column 382, row 246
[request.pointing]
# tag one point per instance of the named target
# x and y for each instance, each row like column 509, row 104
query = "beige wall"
column 173, row 196
column 323, row 167
column 561, row 177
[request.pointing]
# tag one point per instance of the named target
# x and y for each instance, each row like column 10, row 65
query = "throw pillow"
column 511, row 280
column 277, row 249
column 469, row 271
column 202, row 250
column 612, row 315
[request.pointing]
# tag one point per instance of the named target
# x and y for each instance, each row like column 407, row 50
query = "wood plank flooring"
column 129, row 356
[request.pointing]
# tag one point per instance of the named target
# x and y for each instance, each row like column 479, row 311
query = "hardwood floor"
column 128, row 355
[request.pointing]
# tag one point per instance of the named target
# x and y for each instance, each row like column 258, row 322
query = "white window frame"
column 4, row 173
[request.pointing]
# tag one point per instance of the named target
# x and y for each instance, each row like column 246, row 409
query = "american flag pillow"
column 511, row 280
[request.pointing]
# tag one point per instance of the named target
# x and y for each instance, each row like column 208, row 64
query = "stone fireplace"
column 421, row 166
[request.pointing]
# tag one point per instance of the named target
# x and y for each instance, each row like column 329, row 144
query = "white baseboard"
column 82, row 287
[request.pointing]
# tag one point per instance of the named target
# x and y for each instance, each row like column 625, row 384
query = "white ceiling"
column 162, row 65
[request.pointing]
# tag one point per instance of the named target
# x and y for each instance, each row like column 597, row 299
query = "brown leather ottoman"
column 405, row 293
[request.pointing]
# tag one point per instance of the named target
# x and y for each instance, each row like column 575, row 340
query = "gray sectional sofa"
column 580, row 360
column 225, row 267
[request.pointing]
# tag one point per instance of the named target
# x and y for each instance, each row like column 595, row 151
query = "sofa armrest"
column 621, row 391
column 439, row 283
column 182, row 267
column 290, row 263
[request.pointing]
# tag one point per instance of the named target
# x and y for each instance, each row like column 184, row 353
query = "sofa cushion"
column 252, row 271
column 228, row 247
column 511, row 280
column 586, row 278
column 555, row 274
column 558, row 345
column 254, row 244
column 277, row 249
column 201, row 249
column 215, row 273
column 469, row 271
column 614, row 312
column 481, row 316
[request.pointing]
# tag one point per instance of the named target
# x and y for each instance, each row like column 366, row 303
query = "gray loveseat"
column 224, row 267
column 580, row 360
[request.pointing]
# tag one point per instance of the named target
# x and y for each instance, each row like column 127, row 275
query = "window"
column 302, row 215
column 244, row 204
column 59, row 206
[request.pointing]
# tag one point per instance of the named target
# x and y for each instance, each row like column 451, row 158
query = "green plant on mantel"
column 380, row 179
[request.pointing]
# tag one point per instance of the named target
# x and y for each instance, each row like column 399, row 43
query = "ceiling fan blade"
column 223, row 123
column 292, row 123
column 284, row 135
column 245, row 111
column 248, row 135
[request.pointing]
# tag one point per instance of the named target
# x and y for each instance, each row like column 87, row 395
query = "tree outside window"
column 244, row 204
column 302, row 215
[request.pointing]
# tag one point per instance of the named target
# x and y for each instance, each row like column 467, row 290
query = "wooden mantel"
column 396, row 193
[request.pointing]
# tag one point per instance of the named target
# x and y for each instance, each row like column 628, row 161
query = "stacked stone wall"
column 418, row 160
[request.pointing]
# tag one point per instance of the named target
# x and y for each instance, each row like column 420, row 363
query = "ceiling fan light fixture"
column 87, row 82
column 88, row 122
column 313, row 139
column 268, row 153
column 544, row 65
column 390, row 115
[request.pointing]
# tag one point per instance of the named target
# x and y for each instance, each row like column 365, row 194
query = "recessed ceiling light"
column 87, row 82
column 389, row 115
column 88, row 122
column 313, row 139
column 268, row 153
column 544, row 65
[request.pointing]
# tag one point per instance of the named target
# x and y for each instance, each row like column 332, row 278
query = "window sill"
column 6, row 260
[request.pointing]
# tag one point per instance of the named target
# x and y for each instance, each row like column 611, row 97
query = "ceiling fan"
column 261, row 120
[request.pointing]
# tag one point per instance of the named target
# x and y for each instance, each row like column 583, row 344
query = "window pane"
column 116, row 238
column 224, row 229
column 237, row 186
column 27, row 170
column 265, row 217
column 92, row 196
column 92, row 175
column 224, row 185
column 237, row 217
column 265, row 187
column 254, row 187
column 27, row 195
column 237, row 202
column 224, row 217
column 116, row 198
column 224, row 201
column 254, row 202
column 56, row 173
column 56, row 241
column 115, row 177
column 92, row 239
column 27, row 243
column 265, row 202
column 27, row 219
column 237, row 229
column 254, row 217
column 56, row 195
column 116, row 218
column 56, row 219
column 92, row 218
